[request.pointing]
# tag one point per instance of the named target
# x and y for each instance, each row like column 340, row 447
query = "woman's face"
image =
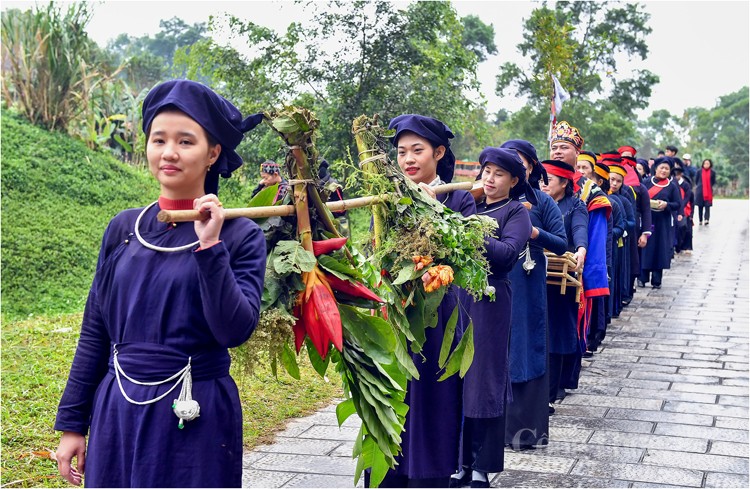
column 706, row 164
column 615, row 181
column 417, row 158
column 585, row 169
column 662, row 171
column 497, row 183
column 555, row 188
column 526, row 164
column 179, row 155
column 639, row 169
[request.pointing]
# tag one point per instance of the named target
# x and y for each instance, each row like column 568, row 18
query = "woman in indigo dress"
column 527, row 418
column 487, row 385
column 563, row 310
column 657, row 254
column 705, row 180
column 150, row 379
column 431, row 432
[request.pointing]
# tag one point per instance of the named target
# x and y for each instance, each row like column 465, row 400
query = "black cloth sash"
column 151, row 362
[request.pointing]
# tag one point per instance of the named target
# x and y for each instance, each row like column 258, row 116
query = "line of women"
column 165, row 305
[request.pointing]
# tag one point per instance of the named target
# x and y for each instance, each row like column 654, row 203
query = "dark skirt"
column 527, row 416
column 483, row 444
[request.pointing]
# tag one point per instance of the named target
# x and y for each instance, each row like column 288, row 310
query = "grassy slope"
column 57, row 197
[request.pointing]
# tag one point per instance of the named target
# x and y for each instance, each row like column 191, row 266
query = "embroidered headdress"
column 565, row 132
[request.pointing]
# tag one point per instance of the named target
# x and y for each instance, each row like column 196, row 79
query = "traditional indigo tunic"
column 563, row 309
column 527, row 420
column 430, row 440
column 657, row 254
column 159, row 309
column 487, row 386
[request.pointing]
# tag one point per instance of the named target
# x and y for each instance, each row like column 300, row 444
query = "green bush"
column 57, row 198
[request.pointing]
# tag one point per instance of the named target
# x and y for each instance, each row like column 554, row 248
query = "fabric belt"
column 150, row 362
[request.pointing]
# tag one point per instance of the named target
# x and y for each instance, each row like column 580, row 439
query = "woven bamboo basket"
column 560, row 271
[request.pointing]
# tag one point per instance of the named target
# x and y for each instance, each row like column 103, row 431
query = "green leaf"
column 291, row 257
column 405, row 360
column 344, row 410
column 468, row 357
column 264, row 197
column 373, row 333
column 320, row 365
column 289, row 360
column 407, row 274
column 448, row 337
column 342, row 270
column 432, row 301
column 455, row 359
column 379, row 467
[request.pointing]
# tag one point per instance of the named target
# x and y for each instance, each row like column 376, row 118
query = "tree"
column 721, row 133
column 150, row 59
column 386, row 60
column 579, row 42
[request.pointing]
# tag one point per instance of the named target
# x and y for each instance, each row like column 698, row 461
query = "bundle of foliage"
column 359, row 314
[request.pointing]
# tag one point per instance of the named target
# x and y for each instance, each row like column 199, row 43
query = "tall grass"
column 46, row 66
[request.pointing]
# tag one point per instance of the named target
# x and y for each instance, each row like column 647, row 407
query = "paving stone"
column 697, row 461
column 561, row 433
column 326, row 432
column 517, row 478
column 686, row 349
column 702, row 408
column 696, row 379
column 638, row 473
column 678, row 362
column 618, row 401
column 328, row 418
column 626, row 345
column 265, row 478
column 733, row 423
column 343, row 450
column 667, row 395
column 704, row 343
column 736, row 382
column 729, row 448
column 702, row 356
column 623, row 425
column 316, row 480
column 710, row 389
column 637, row 440
column 295, row 427
column 742, row 367
column 644, row 353
column 662, row 416
column 537, row 461
column 611, row 366
column 578, row 410
column 300, row 445
column 593, row 451
column 714, row 372
column 706, row 433
column 734, row 400
column 620, row 382
column 249, row 457
column 306, row 464
column 726, row 480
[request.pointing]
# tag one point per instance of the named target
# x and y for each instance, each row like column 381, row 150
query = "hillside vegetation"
column 57, row 198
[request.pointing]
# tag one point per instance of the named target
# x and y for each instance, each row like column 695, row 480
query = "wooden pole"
column 288, row 210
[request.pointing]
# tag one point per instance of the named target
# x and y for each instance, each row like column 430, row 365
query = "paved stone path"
column 663, row 404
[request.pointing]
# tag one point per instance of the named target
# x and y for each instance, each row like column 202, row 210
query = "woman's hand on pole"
column 209, row 228
column 427, row 189
column 71, row 445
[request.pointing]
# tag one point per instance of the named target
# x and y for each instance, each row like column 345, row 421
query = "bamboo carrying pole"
column 288, row 210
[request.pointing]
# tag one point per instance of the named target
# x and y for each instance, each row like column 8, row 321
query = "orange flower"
column 421, row 261
column 439, row 276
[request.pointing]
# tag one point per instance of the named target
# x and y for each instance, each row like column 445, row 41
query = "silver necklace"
column 660, row 186
column 154, row 247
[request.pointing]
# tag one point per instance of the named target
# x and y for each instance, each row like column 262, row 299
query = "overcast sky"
column 699, row 49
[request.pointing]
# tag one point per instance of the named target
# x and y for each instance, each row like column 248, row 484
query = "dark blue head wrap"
column 218, row 117
column 529, row 152
column 662, row 160
column 508, row 160
column 644, row 164
column 433, row 130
